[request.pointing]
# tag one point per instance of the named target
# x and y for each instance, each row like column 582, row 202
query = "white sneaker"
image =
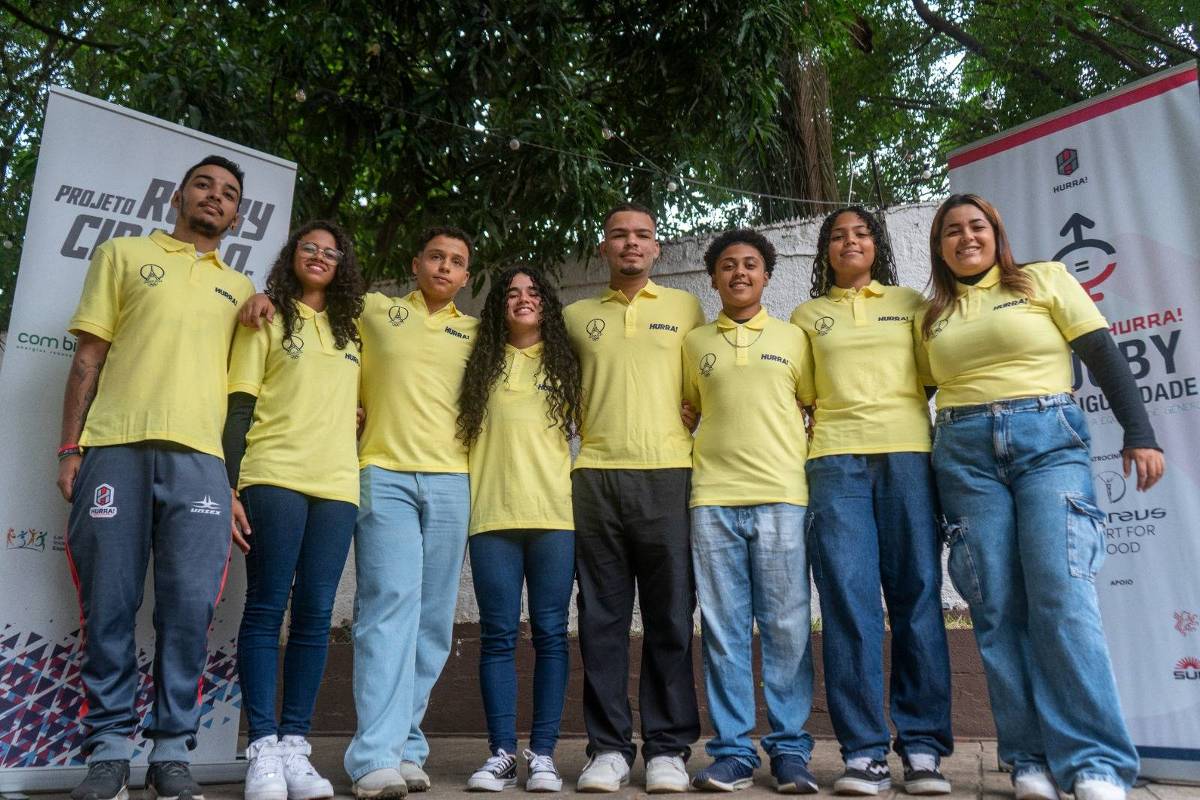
column 543, row 776
column 1034, row 785
column 1098, row 789
column 303, row 780
column 666, row 774
column 497, row 774
column 416, row 778
column 604, row 772
column 381, row 784
column 264, row 774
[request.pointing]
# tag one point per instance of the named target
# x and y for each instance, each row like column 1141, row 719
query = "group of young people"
column 332, row 416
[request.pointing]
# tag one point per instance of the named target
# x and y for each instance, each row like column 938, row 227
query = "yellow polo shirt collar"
column 417, row 301
column 970, row 295
column 742, row 336
column 651, row 289
column 173, row 245
column 872, row 289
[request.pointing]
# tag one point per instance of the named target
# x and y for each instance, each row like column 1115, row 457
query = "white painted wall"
column 681, row 266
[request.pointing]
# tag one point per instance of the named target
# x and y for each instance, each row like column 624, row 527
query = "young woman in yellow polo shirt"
column 291, row 452
column 519, row 406
column 871, row 516
column 1010, row 455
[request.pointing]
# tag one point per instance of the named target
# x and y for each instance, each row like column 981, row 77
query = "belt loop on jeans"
column 1043, row 402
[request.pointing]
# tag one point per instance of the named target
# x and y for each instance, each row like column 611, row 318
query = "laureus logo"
column 823, row 325
column 595, row 329
column 293, row 345
column 707, row 362
column 152, row 274
column 397, row 315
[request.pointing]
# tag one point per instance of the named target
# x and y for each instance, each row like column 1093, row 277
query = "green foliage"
column 399, row 115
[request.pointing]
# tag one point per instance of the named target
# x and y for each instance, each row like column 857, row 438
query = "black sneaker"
column 172, row 780
column 497, row 774
column 106, row 780
column 864, row 776
column 922, row 776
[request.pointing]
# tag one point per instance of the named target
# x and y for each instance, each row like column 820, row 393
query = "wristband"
column 66, row 451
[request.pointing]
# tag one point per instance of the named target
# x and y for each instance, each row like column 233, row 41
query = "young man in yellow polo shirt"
column 744, row 373
column 414, row 509
column 141, row 463
column 630, row 488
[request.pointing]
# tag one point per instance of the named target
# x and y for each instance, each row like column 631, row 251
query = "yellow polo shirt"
column 169, row 315
column 869, row 398
column 412, row 371
column 521, row 462
column 996, row 344
column 303, row 434
column 745, row 380
column 629, row 356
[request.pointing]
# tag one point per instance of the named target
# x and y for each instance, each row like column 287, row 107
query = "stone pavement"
column 972, row 769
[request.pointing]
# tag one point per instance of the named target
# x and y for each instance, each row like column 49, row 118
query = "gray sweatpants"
column 131, row 501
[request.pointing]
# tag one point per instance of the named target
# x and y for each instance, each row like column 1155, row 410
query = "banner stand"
column 1111, row 188
column 103, row 171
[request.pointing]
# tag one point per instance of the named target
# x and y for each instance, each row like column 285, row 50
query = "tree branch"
column 1106, row 47
column 53, row 32
column 1162, row 40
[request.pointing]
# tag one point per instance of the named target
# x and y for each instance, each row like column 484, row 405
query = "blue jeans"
column 872, row 523
column 1026, row 540
column 501, row 563
column 408, row 552
column 298, row 549
column 751, row 567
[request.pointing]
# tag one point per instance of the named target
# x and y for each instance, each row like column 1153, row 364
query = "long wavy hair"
column 882, row 270
column 343, row 295
column 560, row 368
column 941, row 278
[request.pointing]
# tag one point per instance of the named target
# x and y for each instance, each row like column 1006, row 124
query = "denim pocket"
column 1078, row 433
column 962, row 564
column 1085, row 537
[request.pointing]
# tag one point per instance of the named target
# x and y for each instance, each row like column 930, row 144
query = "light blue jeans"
column 408, row 552
column 751, row 566
column 1026, row 540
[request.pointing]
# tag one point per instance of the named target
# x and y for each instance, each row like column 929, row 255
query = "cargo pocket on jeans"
column 1085, row 537
column 962, row 564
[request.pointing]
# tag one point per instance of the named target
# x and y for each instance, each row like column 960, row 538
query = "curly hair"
column 941, row 277
column 560, row 368
column 741, row 236
column 343, row 295
column 884, row 267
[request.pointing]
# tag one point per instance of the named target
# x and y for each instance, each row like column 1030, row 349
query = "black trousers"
column 632, row 532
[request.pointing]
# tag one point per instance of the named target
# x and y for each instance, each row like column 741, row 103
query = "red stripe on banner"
column 1099, row 109
column 83, row 708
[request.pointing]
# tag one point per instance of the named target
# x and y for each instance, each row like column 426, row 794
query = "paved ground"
column 972, row 769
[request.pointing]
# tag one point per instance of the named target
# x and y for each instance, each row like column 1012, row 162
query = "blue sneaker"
column 726, row 774
column 792, row 775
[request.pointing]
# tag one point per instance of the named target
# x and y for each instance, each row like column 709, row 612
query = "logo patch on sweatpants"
column 103, row 502
column 206, row 506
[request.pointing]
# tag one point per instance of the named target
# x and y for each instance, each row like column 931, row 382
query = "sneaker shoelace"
column 540, row 763
column 614, row 760
column 296, row 759
column 500, row 763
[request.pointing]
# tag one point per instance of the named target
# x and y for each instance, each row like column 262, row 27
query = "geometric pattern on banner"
column 41, row 697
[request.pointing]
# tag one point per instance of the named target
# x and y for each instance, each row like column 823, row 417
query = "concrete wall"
column 681, row 266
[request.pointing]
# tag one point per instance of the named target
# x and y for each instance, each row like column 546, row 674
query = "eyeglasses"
column 328, row 253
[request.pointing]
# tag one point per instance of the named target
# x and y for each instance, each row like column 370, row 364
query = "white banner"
column 103, row 171
column 1111, row 187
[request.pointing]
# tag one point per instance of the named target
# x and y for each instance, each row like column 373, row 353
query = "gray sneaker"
column 381, row 784
column 415, row 777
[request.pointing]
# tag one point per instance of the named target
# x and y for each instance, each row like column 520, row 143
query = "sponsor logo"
column 397, row 315
column 458, row 334
column 293, row 345
column 595, row 329
column 1113, row 484
column 152, row 274
column 1185, row 621
column 1187, row 669
column 352, row 357
column 1095, row 263
column 226, row 295
column 103, row 502
column 25, row 539
column 206, row 506
column 1024, row 301
column 773, row 357
column 938, row 327
column 707, row 362
column 823, row 325
column 1137, row 515
column 39, row 343
column 664, row 326
column 1067, row 161
column 1121, row 582
column 893, row 318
